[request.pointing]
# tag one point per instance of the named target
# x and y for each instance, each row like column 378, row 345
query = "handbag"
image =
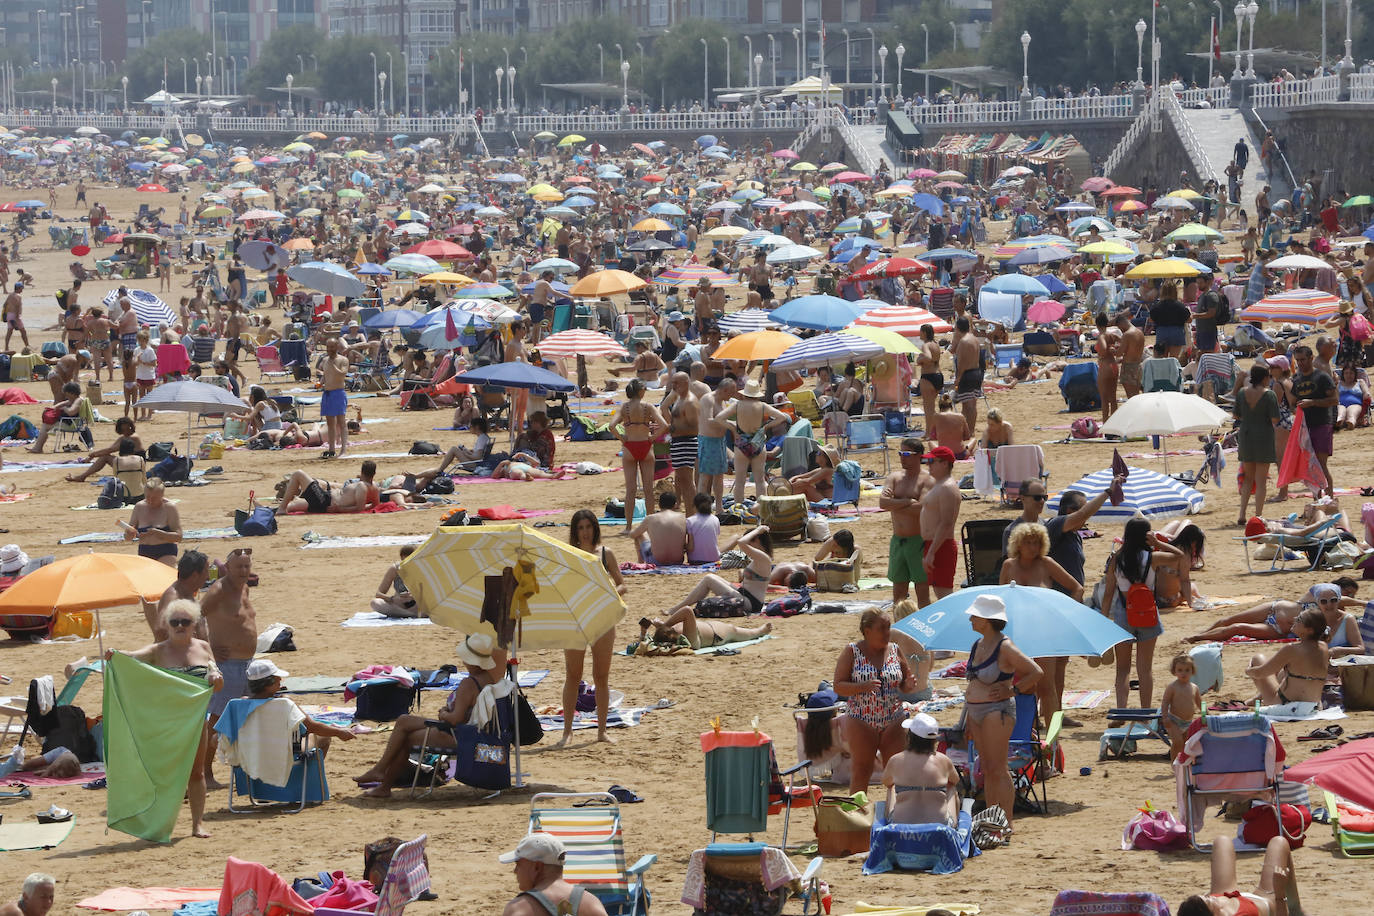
column 51, row 415
column 531, row 732
column 347, row 894
column 733, row 558
column 483, row 761
column 1154, row 830
column 842, row 826
column 256, row 521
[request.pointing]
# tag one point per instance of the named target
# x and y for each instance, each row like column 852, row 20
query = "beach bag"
column 377, row 857
column 16, row 427
column 581, row 429
column 439, row 486
column 990, row 828
column 842, row 826
column 1259, row 825
column 789, row 605
column 347, row 894
column 785, row 516
column 4, row 367
column 817, row 528
column 159, row 450
column 531, row 730
column 720, row 606
column 112, row 494
column 1360, row 329
column 1357, row 681
column 1154, row 830
column 385, row 702
column 421, row 447
column 1141, row 610
column 734, row 558
column 173, row 469
column 1085, row 428
column 259, row 522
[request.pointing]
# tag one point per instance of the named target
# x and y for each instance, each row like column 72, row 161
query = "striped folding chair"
column 589, row 826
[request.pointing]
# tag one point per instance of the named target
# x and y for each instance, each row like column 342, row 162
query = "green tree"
column 674, row 72
column 282, row 54
column 482, row 53
column 570, row 55
column 346, row 70
column 145, row 66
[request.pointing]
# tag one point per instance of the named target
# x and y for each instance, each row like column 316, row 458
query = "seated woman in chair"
column 477, row 654
column 264, row 683
column 818, row 484
column 922, row 783
column 72, row 406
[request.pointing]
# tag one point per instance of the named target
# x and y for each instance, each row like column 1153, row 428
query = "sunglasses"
column 1037, row 496
column 1328, row 601
column 179, row 622
column 241, row 552
column 909, row 454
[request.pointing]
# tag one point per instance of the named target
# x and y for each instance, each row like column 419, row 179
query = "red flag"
column 1299, row 463
column 1216, row 40
column 450, row 328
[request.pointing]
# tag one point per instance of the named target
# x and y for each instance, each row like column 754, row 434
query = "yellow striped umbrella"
column 569, row 599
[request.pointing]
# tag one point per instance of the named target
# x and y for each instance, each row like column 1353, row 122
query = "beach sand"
column 1076, row 846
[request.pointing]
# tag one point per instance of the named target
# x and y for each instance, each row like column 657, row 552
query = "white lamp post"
column 373, row 55
column 846, row 57
column 1348, row 61
column 124, row 84
column 758, row 75
column 1025, row 65
column 882, row 73
column 705, row 75
column 500, row 75
column 925, row 64
column 901, row 50
column 289, row 80
column 1239, row 10
column 390, row 75
column 624, row 85
column 381, row 78
column 54, row 94
column 510, row 88
column 726, row 39
column 954, row 30
column 601, row 62
column 198, row 84
column 773, row 57
column 405, row 70
column 209, row 87
column 1252, row 10
column 1139, row 54
column 796, row 36
column 748, row 56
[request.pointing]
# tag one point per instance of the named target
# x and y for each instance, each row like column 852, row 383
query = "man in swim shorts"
column 968, row 371
column 1132, row 353
column 684, row 408
column 939, row 514
column 233, row 627
column 334, row 403
column 713, row 456
column 901, row 496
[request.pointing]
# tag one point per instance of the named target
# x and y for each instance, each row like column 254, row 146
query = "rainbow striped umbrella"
column 1303, row 306
column 691, row 274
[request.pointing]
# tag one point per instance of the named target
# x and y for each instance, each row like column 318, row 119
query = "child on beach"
column 1181, row 703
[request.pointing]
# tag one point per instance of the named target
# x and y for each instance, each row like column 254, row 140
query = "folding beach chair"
column 172, row 361
column 846, row 490
column 589, row 825
column 1354, row 844
column 65, row 697
column 983, row 551
column 1033, row 755
column 1312, row 546
column 1078, row 386
column 1098, row 903
column 807, row 407
column 1216, row 375
column 201, row 349
column 269, row 361
column 481, row 755
column 1014, row 465
column 942, row 303
column 74, row 433
column 936, row 848
column 1006, row 356
column 304, row 784
column 798, row 447
column 441, row 371
column 866, row 433
column 1040, row 343
column 407, row 879
column 1119, row 742
column 1231, row 755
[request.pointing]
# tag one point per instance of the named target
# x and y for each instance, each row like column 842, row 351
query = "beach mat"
column 373, row 619
column 147, row 898
column 620, row 717
column 33, row 835
column 191, row 534
column 868, row 582
column 644, row 569
column 1084, row 699
column 313, row 683
column 714, row 650
column 17, row 466
column 89, row 771
column 315, row 541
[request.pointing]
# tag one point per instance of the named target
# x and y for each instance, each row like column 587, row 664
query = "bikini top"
column 747, row 572
column 200, row 671
column 987, row 670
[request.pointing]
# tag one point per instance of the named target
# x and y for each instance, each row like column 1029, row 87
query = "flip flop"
column 1325, row 733
column 624, row 796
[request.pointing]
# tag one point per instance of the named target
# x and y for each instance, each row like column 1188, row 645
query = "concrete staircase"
column 872, row 138
column 1217, row 130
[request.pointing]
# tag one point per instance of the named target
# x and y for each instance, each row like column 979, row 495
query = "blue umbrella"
column 31, row 204
column 1016, row 283
column 579, row 201
column 856, row 241
column 1043, row 623
column 707, row 140
column 1040, row 254
column 559, row 289
column 508, row 178
column 392, row 318
column 516, row 375
column 818, row 312
column 1053, row 284
column 375, row 270
column 667, row 209
column 827, row 350
column 1149, row 493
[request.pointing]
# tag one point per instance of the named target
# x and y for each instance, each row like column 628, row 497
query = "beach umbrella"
column 1165, row 413
column 1096, row 184
column 1173, row 203
column 651, row 224
column 1075, row 207
column 579, row 342
column 1297, row 262
column 1042, row 622
column 746, row 321
column 487, row 291
column 392, row 318
column 440, row 249
column 417, row 264
column 893, row 267
column 448, row 277
column 515, row 375
column 726, row 232
column 650, row 245
column 792, row 254
column 1046, row 311
column 817, row 312
column 190, row 397
column 368, row 269
column 151, row 310
column 756, row 346
column 486, row 313
column 904, row 320
column 800, row 206
column 1148, row 493
column 557, row 265
column 1040, row 254
column 1016, row 283
column 1196, row 232
column 667, row 209
column 151, row 188
column 606, row 283
column 325, row 277
column 411, row 229
column 692, row 274
column 1359, row 200
column 1107, row 247
column 951, row 254
column 1346, row 771
column 827, row 350
column 1162, row 268
column 1302, row 306
column 250, row 215
column 261, row 255
column 890, row 341
column 1122, row 190
column 570, row 139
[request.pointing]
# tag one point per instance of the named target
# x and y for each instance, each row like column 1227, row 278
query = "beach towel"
column 192, row 534
column 373, row 619
column 314, row 683
column 251, row 889
column 1301, row 712
column 1090, row 903
column 315, row 541
column 714, row 650
column 153, row 724
column 1084, row 699
column 648, row 569
column 935, row 848
column 252, row 733
column 89, row 771
column 623, row 717
column 15, row 396
column 33, row 835
column 147, row 898
column 12, row 468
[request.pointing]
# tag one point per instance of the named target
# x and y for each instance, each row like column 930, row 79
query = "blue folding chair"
column 846, row 490
column 866, row 433
column 306, row 783
column 1235, row 758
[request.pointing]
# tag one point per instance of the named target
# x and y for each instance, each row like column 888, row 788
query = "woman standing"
column 1127, row 570
column 872, row 674
column 183, row 653
column 1170, row 317
column 586, row 535
column 637, row 425
column 932, row 379
column 997, row 671
column 1257, row 410
column 1108, row 365
column 1281, row 383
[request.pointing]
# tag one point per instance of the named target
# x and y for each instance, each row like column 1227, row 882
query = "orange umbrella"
column 299, row 244
column 651, row 224
column 606, row 283
column 88, row 582
column 756, row 345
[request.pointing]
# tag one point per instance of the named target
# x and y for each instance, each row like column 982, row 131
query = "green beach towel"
column 153, row 722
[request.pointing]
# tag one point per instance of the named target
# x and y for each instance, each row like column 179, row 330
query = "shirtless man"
column 685, row 410
column 752, row 419
column 901, row 497
column 712, row 455
column 968, row 371
column 948, row 427
column 38, row 891
column 696, row 373
column 233, row 627
column 761, row 277
column 234, row 326
column 14, row 315
column 1132, row 353
column 939, row 513
column 701, row 304
column 334, row 403
column 193, row 569
column 661, row 538
column 304, row 493
column 540, row 299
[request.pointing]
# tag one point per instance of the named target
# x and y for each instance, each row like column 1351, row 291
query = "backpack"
column 721, row 606
column 789, row 605
column 1223, row 310
column 422, row 447
column 112, row 495
column 1085, row 428
column 261, row 521
column 1141, row 610
column 1360, row 330
column 159, row 450
column 439, row 486
column 173, row 469
column 581, row 429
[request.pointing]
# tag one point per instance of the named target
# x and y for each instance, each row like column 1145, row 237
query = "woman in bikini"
column 155, row 524
column 871, row 674
column 928, row 362
column 1174, row 581
column 637, row 425
column 1296, row 673
column 757, row 546
column 922, row 783
column 998, row 432
column 1108, row 365
column 74, row 327
column 183, row 653
column 1275, row 895
column 997, row 671
column 752, row 419
column 586, row 535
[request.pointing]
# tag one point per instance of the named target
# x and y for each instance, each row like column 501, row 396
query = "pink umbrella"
column 1347, row 771
column 851, row 176
column 785, row 154
column 904, row 320
column 1046, row 311
column 921, row 173
column 1097, row 184
column 579, row 342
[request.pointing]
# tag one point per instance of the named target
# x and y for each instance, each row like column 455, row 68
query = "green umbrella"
column 1192, row 232
column 1359, row 200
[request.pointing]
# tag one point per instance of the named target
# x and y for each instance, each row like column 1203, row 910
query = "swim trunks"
column 936, row 379
column 235, row 674
column 1170, row 335
column 316, row 497
column 128, row 341
column 683, row 452
column 970, row 386
column 905, row 559
column 946, row 558
column 711, row 456
column 334, row 403
column 1130, row 373
column 536, row 310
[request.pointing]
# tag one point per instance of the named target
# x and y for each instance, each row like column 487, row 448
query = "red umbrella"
column 460, row 229
column 950, row 185
column 151, row 187
column 892, row 267
column 1347, row 771
column 440, row 250
column 904, row 320
column 81, row 250
column 115, row 239
column 1096, row 184
column 10, row 208
column 1046, row 311
column 653, row 178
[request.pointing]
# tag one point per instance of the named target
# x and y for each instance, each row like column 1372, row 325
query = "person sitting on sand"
column 1273, row 619
column 683, row 624
column 661, row 537
column 647, row 365
column 1174, row 582
column 537, row 439
column 949, row 428
column 402, row 603
column 299, row 492
column 922, row 783
column 409, row 731
column 703, row 532
column 757, row 546
column 1275, row 895
column 1026, row 370
column 104, row 457
column 264, row 683
column 818, row 484
column 998, row 432
column 1296, row 673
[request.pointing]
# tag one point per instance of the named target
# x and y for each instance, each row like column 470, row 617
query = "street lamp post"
column 773, row 57
column 846, row 57
column 624, row 84
column 601, row 62
column 510, row 89
column 53, row 81
column 901, row 51
column 954, row 31
column 925, row 64
column 185, row 84
column 381, row 77
column 1253, row 11
column 1240, row 34
column 198, row 84
column 289, row 80
column 143, row 19
column 1348, row 61
column 758, row 76
column 1025, row 65
column 74, row 63
column 373, row 55
column 500, row 75
column 882, row 78
column 618, row 50
column 235, row 61
column 41, row 14
column 748, row 57
column 124, row 84
column 796, row 36
column 405, row 69
column 705, row 75
column 300, row 59
column 726, row 39
column 1140, row 53
column 391, row 81
column 872, row 60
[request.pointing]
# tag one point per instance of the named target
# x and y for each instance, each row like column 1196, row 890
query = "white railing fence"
column 1362, row 87
column 1133, row 135
column 1202, row 164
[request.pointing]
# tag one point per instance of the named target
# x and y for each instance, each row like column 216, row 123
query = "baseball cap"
column 536, row 847
column 18, row 287
column 260, row 669
column 922, row 726
column 941, row 453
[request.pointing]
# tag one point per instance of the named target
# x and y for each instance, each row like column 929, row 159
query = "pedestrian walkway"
column 1217, row 130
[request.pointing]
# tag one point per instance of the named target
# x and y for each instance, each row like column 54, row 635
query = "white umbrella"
column 191, row 397
column 1165, row 413
column 1297, row 262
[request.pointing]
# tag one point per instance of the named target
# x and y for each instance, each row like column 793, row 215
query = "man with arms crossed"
column 685, row 411
column 233, row 627
column 334, row 403
column 901, row 496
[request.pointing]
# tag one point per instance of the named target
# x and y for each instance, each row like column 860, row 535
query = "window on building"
column 772, row 11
